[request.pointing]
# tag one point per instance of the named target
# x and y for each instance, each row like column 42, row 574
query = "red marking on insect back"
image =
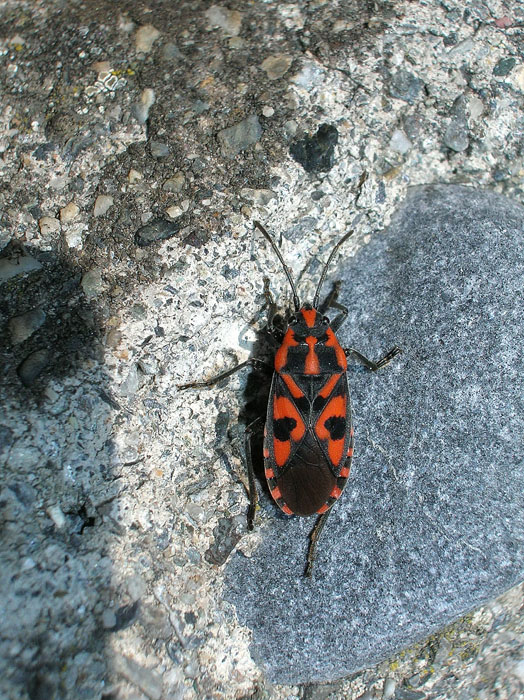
column 332, row 342
column 323, row 509
column 270, row 474
column 311, row 365
column 309, row 317
column 336, row 408
column 287, row 510
column 344, row 472
column 281, row 450
column 276, row 493
column 295, row 391
column 266, row 453
column 281, row 354
column 350, row 451
column 329, row 386
column 335, row 493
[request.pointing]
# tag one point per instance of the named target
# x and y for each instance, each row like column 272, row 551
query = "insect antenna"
column 287, row 270
column 324, row 271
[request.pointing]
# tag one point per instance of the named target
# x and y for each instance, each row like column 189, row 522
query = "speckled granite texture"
column 430, row 524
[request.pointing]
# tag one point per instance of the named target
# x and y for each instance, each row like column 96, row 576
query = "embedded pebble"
column 23, row 326
column 240, row 136
column 92, row 283
column 145, row 38
column 276, row 66
column 57, row 516
column 149, row 682
column 134, row 176
column 174, row 212
column 399, row 142
column 159, row 149
column 456, row 135
column 156, row 230
column 141, row 109
column 102, row 204
column 504, row 66
column 405, row 86
column 69, row 212
column 171, row 52
column 175, row 183
column 389, row 689
column 73, row 235
column 33, row 365
column 316, row 153
column 48, row 224
column 261, row 197
column 229, row 21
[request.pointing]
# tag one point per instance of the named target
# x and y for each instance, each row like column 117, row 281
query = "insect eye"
column 325, row 321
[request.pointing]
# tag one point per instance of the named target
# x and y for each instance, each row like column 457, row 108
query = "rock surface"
column 431, row 523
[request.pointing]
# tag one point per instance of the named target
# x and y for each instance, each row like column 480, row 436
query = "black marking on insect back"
column 302, row 404
column 319, row 403
column 336, row 425
column 283, row 427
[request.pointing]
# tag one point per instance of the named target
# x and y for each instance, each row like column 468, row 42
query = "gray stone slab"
column 430, row 524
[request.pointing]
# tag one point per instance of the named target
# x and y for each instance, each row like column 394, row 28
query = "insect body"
column 308, row 437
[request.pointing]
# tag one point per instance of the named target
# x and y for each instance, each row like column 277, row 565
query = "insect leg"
column 314, row 536
column 253, row 494
column 330, row 302
column 223, row 375
column 373, row 366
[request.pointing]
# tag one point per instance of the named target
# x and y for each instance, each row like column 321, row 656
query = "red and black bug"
column 308, row 436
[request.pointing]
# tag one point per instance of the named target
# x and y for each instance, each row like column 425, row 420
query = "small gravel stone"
column 518, row 670
column 316, row 153
column 159, row 149
column 48, row 224
column 141, row 110
column 175, row 183
column 92, row 283
column 389, row 689
column 134, row 176
column 73, row 235
column 156, row 230
column 456, row 135
column 174, row 212
column 240, row 136
column 146, row 37
column 226, row 534
column 148, row 681
column 69, row 212
column 229, row 21
column 268, row 111
column 276, row 66
column 23, row 326
column 102, row 204
column 108, row 619
column 33, row 365
column 57, row 516
column 399, row 142
column 171, row 52
column 130, row 385
column 405, row 86
column 125, row 616
column 261, row 197
column 504, row 67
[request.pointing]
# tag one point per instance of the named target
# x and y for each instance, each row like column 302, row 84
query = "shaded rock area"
column 430, row 524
